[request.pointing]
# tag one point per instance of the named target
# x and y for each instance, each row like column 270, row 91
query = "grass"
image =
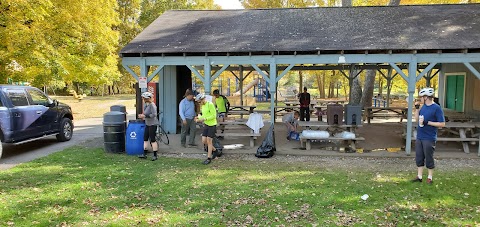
column 96, row 106
column 85, row 186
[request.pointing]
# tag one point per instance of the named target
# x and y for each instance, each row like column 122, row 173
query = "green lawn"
column 83, row 186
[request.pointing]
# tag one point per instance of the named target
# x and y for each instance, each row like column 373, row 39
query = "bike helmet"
column 426, row 92
column 147, row 95
column 199, row 97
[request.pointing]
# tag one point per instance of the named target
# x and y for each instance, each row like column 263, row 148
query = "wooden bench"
column 253, row 136
column 238, row 112
column 347, row 142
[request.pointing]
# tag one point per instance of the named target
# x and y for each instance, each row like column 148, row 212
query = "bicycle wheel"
column 162, row 136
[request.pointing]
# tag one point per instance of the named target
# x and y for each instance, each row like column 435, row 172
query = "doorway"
column 455, row 91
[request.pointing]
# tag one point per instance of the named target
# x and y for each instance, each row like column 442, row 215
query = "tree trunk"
column 319, row 83
column 367, row 95
column 356, row 89
column 394, row 3
column 380, row 85
column 300, row 76
column 322, row 89
column 346, row 3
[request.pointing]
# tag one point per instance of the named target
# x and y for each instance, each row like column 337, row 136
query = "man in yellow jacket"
column 209, row 118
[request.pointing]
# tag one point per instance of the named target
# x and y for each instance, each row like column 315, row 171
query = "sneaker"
column 207, row 161
column 220, row 137
column 417, row 179
column 429, row 181
column 288, row 137
column 183, row 145
column 191, row 145
column 142, row 156
column 154, row 158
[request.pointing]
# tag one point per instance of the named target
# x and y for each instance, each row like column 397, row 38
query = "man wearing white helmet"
column 151, row 121
column 430, row 117
column 209, row 118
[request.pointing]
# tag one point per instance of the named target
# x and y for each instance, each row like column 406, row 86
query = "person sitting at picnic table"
column 291, row 121
column 222, row 104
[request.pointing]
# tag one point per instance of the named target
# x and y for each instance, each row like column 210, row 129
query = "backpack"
column 227, row 103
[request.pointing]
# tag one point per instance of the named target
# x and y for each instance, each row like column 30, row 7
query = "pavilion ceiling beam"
column 309, row 59
column 154, row 73
column 285, row 71
column 399, row 71
column 130, row 71
column 429, row 67
column 217, row 73
column 195, row 71
column 265, row 76
column 472, row 69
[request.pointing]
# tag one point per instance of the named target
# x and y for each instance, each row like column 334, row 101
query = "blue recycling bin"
column 134, row 140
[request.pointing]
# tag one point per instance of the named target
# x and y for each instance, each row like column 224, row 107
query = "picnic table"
column 457, row 116
column 324, row 102
column 347, row 142
column 320, row 111
column 237, row 128
column 463, row 132
column 241, row 110
column 371, row 112
column 297, row 103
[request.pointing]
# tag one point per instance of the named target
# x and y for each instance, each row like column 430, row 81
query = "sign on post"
column 142, row 82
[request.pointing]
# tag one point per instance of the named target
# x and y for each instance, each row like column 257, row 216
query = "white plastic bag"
column 345, row 135
column 315, row 134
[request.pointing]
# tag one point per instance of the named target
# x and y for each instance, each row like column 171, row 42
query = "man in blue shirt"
column 187, row 114
column 430, row 117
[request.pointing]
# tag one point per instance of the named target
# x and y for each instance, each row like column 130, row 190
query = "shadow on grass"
column 81, row 186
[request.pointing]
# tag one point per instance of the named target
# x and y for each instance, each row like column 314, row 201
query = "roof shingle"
column 421, row 27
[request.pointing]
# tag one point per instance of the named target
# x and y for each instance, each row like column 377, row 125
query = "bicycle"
column 161, row 135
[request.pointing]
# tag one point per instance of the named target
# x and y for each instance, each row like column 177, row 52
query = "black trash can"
column 114, row 132
column 120, row 108
column 335, row 114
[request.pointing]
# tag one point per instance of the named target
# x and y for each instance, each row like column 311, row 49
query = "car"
column 28, row 114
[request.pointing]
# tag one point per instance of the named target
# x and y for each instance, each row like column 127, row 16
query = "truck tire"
column 66, row 130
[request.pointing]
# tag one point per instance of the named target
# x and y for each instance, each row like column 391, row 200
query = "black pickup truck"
column 27, row 114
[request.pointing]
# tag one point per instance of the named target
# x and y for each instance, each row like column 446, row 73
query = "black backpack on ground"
column 267, row 149
column 217, row 145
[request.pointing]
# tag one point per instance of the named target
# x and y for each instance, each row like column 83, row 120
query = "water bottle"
column 420, row 120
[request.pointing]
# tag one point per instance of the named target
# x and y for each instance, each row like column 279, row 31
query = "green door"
column 455, row 92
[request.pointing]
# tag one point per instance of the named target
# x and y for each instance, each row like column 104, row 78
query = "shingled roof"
column 257, row 31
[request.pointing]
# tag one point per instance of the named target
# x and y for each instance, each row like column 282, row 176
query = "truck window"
column 38, row 98
column 18, row 97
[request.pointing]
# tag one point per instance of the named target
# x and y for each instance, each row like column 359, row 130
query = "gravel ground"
column 344, row 163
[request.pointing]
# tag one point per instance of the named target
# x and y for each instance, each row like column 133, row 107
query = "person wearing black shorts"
column 430, row 117
column 209, row 118
column 151, row 121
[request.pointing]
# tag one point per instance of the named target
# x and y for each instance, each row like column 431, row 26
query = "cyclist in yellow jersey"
column 209, row 118
column 222, row 104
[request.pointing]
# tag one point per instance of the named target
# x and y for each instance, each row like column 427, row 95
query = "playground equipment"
column 246, row 88
column 261, row 93
column 78, row 97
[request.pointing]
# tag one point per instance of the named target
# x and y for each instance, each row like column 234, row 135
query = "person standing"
column 430, row 117
column 151, row 121
column 304, row 99
column 209, row 118
column 223, row 105
column 186, row 109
